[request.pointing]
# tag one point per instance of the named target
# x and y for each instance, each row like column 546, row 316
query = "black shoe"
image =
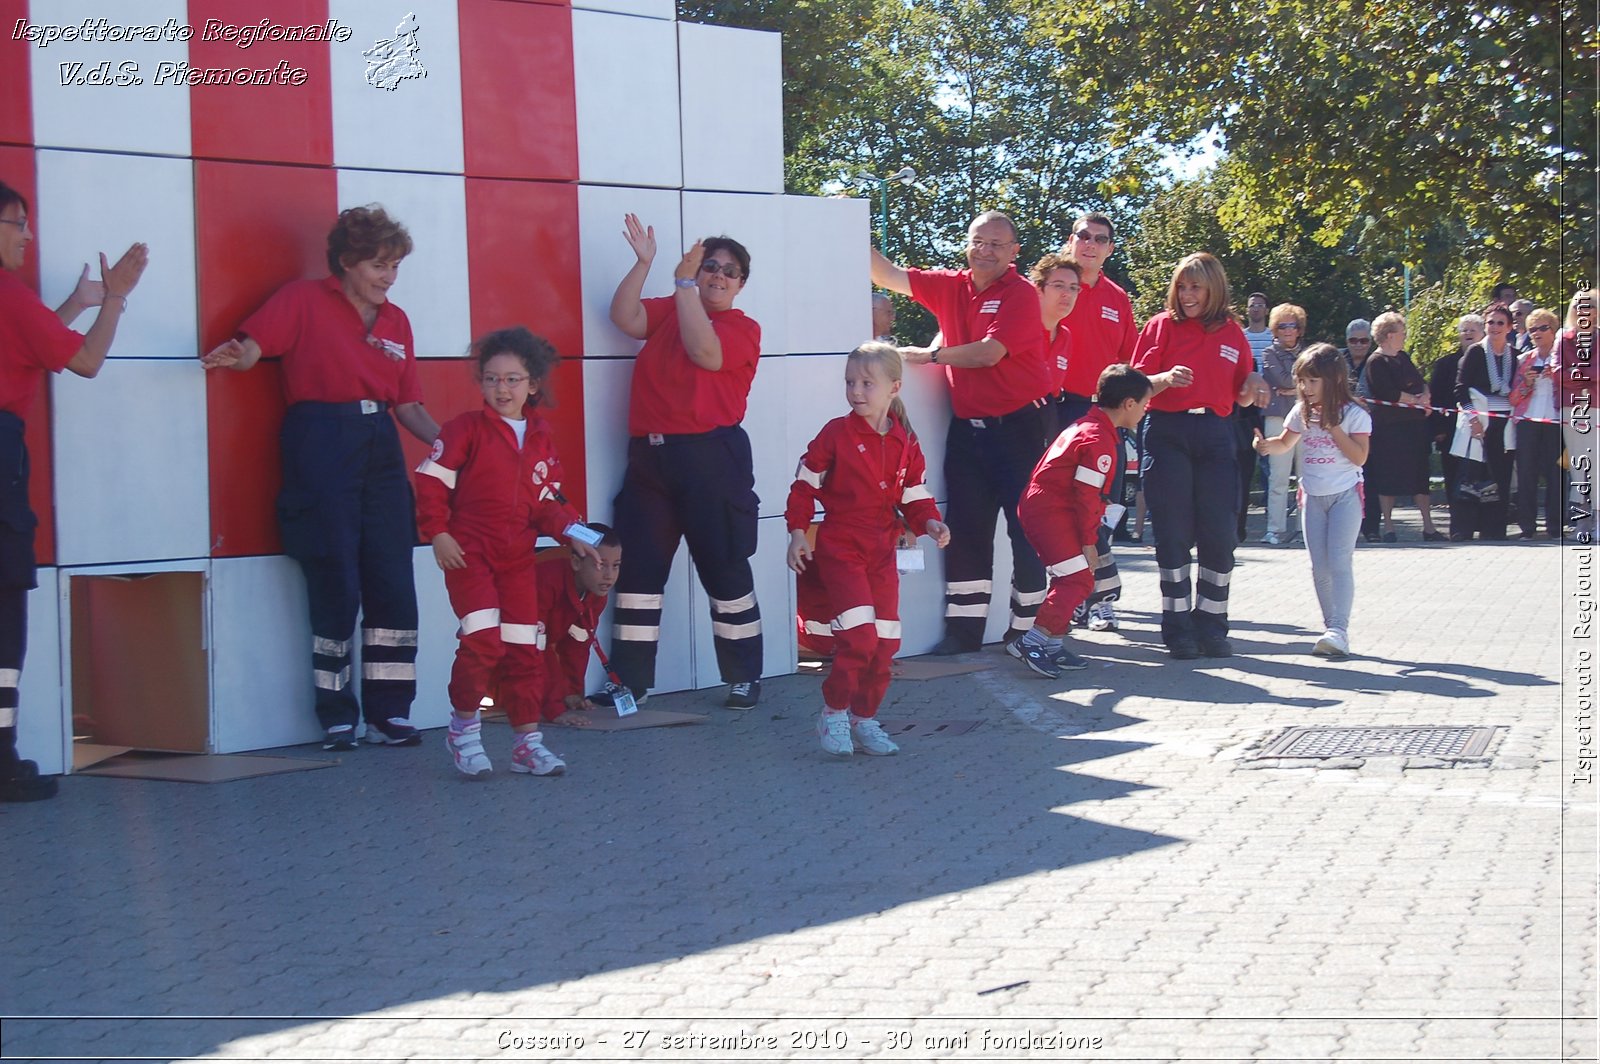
column 24, row 784
column 743, row 695
column 1216, row 647
column 340, row 738
column 1372, row 537
column 953, row 644
column 1390, row 537
column 396, row 731
column 1459, row 537
column 606, row 697
column 1434, row 537
column 1182, row 649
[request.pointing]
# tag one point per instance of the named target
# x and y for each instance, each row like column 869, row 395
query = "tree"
column 1401, row 112
column 1334, row 285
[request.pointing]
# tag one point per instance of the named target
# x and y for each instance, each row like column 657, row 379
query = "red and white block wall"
column 512, row 162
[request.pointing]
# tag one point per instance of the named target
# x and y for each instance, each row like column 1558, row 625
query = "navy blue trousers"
column 1191, row 486
column 986, row 468
column 699, row 488
column 348, row 517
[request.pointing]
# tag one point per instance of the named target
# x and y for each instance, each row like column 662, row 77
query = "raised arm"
column 886, row 274
column 627, row 312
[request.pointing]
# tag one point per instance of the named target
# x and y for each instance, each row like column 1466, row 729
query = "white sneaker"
column 466, row 747
column 1333, row 644
column 869, row 737
column 833, row 728
column 1103, row 617
column 530, row 756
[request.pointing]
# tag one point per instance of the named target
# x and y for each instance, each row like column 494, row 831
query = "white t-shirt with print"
column 1324, row 470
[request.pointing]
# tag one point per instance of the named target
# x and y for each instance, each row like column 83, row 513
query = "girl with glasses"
column 488, row 491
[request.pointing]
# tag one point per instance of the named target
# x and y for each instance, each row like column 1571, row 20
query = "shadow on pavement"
column 391, row 881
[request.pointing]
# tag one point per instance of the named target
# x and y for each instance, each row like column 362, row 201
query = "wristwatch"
column 686, row 282
column 933, row 356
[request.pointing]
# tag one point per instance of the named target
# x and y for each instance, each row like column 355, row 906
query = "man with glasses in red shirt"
column 992, row 349
column 1103, row 332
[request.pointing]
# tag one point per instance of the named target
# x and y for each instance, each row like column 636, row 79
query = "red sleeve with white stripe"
column 436, row 477
column 809, row 477
column 916, row 500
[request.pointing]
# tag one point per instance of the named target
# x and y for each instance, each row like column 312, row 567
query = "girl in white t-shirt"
column 1333, row 428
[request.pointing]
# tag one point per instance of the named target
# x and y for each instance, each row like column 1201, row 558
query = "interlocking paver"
column 1098, row 838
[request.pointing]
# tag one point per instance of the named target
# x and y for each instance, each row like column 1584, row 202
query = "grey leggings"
column 1330, row 524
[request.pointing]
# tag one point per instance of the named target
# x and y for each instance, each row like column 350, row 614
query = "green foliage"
column 976, row 95
column 1364, row 139
column 1334, row 285
column 1406, row 112
column 1431, row 322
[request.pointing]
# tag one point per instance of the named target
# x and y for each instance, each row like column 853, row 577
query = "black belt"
column 659, row 439
column 359, row 408
column 992, row 422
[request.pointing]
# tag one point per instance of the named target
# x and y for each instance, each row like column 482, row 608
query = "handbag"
column 1476, row 483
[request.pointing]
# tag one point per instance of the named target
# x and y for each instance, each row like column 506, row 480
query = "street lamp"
column 905, row 175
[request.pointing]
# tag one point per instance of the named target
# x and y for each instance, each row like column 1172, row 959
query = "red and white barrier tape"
column 1466, row 410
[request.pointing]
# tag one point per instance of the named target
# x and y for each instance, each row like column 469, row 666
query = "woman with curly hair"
column 345, row 512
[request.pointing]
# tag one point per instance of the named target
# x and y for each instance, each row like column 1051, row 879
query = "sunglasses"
column 729, row 270
column 1353, row 340
column 1286, row 326
column 1541, row 328
column 1089, row 236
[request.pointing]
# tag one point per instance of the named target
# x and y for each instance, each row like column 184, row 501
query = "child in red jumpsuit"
column 1061, row 509
column 490, row 488
column 572, row 594
column 865, row 468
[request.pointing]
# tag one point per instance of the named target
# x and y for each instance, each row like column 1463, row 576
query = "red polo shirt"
column 1220, row 360
column 32, row 341
column 328, row 354
column 1058, row 353
column 1103, row 333
column 1006, row 312
column 672, row 395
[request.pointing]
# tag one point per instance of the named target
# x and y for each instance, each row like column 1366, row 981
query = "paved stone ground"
column 1098, row 847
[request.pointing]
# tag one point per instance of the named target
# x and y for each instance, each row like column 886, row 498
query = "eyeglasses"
column 516, row 380
column 1089, row 236
column 1286, row 326
column 1541, row 328
column 996, row 246
column 1353, row 340
column 20, row 223
column 729, row 270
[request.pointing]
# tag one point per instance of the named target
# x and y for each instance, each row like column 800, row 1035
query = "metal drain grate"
column 1447, row 741
column 900, row 728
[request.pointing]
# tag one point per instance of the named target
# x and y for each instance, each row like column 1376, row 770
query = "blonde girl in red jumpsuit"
column 490, row 488
column 865, row 468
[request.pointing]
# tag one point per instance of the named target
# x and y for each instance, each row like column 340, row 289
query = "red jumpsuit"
column 863, row 481
column 570, row 617
column 1061, row 510
column 496, row 500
